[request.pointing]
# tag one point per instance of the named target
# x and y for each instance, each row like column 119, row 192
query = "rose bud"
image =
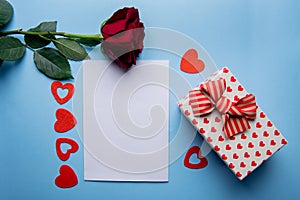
column 123, row 36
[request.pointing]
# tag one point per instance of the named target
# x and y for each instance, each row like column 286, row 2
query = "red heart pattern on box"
column 243, row 152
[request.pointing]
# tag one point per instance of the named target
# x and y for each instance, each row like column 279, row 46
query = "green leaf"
column 70, row 48
column 11, row 48
column 87, row 42
column 52, row 63
column 6, row 12
column 36, row 41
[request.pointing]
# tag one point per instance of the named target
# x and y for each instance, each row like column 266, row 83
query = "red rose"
column 123, row 35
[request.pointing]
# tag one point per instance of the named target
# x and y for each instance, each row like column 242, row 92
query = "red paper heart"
column 202, row 160
column 65, row 156
column 67, row 178
column 65, row 120
column 190, row 62
column 231, row 166
column 56, row 85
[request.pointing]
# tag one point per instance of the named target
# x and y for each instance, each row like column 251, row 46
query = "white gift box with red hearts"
column 245, row 151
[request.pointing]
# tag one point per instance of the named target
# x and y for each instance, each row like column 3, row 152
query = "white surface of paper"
column 125, row 121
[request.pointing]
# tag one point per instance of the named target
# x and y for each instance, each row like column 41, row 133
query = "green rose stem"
column 69, row 35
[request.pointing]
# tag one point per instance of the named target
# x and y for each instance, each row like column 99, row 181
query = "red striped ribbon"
column 235, row 115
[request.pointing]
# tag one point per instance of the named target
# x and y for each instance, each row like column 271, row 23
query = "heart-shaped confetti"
column 73, row 148
column 190, row 63
column 67, row 178
column 58, row 85
column 202, row 160
column 65, row 120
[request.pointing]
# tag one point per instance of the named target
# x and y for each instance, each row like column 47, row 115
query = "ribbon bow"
column 235, row 116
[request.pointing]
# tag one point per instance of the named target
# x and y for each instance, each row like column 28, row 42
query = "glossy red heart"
column 67, row 178
column 190, row 63
column 65, row 156
column 65, row 120
column 54, row 88
column 202, row 160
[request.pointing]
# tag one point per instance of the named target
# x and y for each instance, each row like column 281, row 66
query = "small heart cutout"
column 202, row 160
column 67, row 178
column 65, row 156
column 58, row 85
column 65, row 120
column 190, row 63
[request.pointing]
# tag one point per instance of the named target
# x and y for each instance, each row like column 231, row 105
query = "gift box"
column 232, row 123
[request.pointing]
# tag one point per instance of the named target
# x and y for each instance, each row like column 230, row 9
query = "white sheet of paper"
column 125, row 121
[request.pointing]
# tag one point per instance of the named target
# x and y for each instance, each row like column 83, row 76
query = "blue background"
column 258, row 40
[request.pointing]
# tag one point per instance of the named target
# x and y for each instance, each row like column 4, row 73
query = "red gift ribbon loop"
column 235, row 115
